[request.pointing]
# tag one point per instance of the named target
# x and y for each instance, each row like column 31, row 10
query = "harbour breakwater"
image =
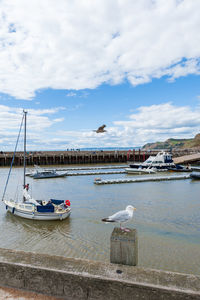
column 80, row 157
column 73, row 157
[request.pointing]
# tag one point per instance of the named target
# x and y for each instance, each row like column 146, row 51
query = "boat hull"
column 33, row 215
column 41, row 176
column 179, row 170
column 158, row 167
column 139, row 171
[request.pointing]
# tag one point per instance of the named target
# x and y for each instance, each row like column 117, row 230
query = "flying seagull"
column 122, row 216
column 100, row 129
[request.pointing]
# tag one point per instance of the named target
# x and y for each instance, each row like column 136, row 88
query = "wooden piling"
column 124, row 247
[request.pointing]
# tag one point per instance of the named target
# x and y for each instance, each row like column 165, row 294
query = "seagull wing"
column 120, row 216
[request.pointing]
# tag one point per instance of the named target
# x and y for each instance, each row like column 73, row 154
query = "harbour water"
column 167, row 219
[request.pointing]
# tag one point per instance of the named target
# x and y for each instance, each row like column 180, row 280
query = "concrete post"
column 124, row 247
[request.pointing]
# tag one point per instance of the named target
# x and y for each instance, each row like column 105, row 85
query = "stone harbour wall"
column 79, row 279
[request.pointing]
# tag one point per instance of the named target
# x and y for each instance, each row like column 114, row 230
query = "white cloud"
column 71, row 94
column 38, row 122
column 83, row 43
column 163, row 116
column 147, row 124
column 58, row 120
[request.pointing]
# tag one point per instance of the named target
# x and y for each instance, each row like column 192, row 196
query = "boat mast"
column 25, row 113
column 13, row 158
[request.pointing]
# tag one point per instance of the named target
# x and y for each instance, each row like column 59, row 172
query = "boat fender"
column 13, row 210
column 67, row 202
column 6, row 207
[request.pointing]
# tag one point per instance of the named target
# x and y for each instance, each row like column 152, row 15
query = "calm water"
column 167, row 219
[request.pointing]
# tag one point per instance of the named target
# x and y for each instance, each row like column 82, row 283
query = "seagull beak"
column 134, row 208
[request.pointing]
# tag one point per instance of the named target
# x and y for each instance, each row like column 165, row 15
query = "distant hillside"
column 175, row 144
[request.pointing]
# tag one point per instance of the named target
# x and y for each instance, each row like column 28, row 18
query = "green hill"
column 175, row 144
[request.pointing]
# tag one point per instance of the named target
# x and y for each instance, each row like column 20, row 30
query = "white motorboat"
column 32, row 171
column 27, row 207
column 161, row 162
column 40, row 173
column 48, row 174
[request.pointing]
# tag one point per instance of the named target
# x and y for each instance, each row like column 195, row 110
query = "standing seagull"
column 122, row 216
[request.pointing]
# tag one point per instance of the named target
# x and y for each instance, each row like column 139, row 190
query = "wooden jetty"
column 142, row 179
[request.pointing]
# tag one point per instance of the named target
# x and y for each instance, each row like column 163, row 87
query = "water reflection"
column 42, row 236
column 35, row 226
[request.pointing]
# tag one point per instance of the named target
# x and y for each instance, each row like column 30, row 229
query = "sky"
column 75, row 65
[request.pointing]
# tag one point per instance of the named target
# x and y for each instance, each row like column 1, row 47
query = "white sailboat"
column 26, row 206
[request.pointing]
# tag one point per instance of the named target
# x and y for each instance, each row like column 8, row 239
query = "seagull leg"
column 126, row 229
column 121, row 227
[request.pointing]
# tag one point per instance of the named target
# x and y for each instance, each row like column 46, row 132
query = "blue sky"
column 134, row 66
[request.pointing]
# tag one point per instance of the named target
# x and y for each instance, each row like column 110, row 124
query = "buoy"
column 67, row 202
